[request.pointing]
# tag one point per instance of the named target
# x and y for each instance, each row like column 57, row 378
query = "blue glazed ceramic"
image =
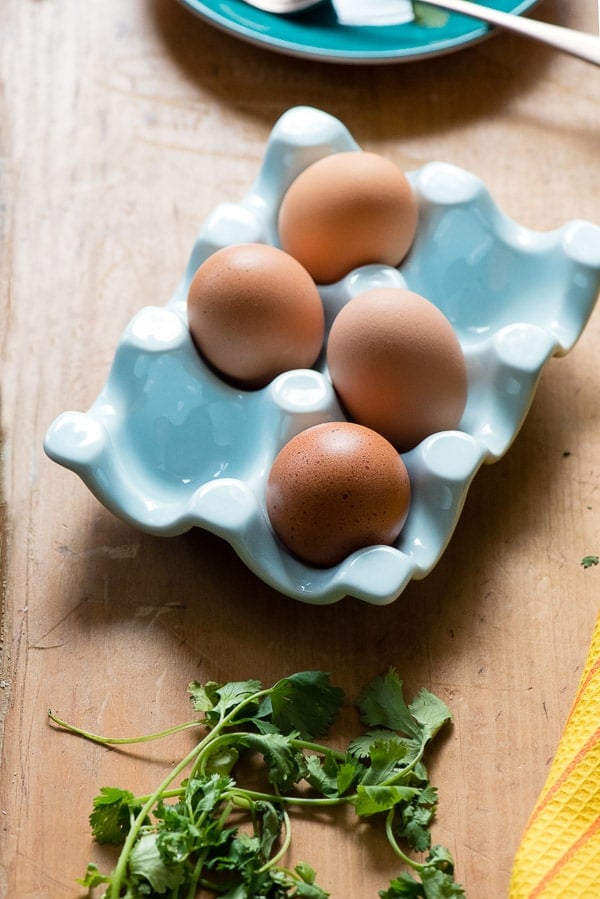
column 168, row 446
column 316, row 34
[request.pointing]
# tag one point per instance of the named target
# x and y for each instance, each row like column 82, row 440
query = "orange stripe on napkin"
column 585, row 679
column 550, row 790
column 553, row 873
column 559, row 854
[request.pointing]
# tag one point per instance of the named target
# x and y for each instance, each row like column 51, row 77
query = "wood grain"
column 122, row 126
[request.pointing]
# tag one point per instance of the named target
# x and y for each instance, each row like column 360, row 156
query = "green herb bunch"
column 186, row 839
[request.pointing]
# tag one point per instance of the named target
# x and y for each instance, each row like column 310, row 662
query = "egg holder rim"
column 441, row 468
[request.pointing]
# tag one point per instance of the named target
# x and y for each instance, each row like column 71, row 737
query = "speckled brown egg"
column 255, row 312
column 397, row 365
column 335, row 488
column 347, row 210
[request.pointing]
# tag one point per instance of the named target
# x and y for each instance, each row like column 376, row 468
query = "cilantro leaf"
column 403, row 887
column 222, row 761
column 301, row 882
column 219, row 700
column 347, row 775
column 193, row 824
column 204, row 697
column 309, row 891
column 322, row 774
column 241, row 854
column 305, row 702
column 252, row 882
column 205, row 793
column 414, row 818
column 382, row 704
column 370, row 800
column 441, row 858
column 269, row 820
column 197, row 842
column 305, row 872
column 362, row 745
column 332, row 776
column 93, row 878
column 146, row 864
column 384, row 756
column 111, row 816
column 435, row 884
column 285, row 762
column 439, row 884
column 430, row 712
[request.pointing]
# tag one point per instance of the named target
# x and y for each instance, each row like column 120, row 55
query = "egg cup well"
column 168, row 446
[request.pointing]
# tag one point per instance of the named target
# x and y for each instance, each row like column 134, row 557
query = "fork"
column 577, row 43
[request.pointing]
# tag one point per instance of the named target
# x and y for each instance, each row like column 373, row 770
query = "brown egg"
column 254, row 312
column 397, row 365
column 347, row 210
column 335, row 488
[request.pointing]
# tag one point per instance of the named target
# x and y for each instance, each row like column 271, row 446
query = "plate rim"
column 209, row 12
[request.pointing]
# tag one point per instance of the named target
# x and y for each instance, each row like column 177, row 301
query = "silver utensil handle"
column 577, row 43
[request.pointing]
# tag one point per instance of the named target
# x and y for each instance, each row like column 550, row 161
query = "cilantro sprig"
column 185, row 839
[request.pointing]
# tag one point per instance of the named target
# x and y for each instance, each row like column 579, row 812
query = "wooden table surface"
column 122, row 126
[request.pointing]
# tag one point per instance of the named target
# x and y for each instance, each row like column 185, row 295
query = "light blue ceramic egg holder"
column 167, row 446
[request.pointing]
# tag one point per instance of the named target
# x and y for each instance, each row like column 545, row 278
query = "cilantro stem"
column 389, row 821
column 234, row 738
column 175, row 793
column 407, row 768
column 192, row 756
column 286, row 799
column 119, row 741
column 196, row 875
column 319, row 748
column 153, row 798
column 251, row 699
column 244, row 798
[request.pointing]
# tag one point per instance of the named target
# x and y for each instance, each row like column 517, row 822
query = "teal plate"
column 316, row 34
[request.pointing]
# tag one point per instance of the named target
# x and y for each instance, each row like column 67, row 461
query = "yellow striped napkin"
column 559, row 854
